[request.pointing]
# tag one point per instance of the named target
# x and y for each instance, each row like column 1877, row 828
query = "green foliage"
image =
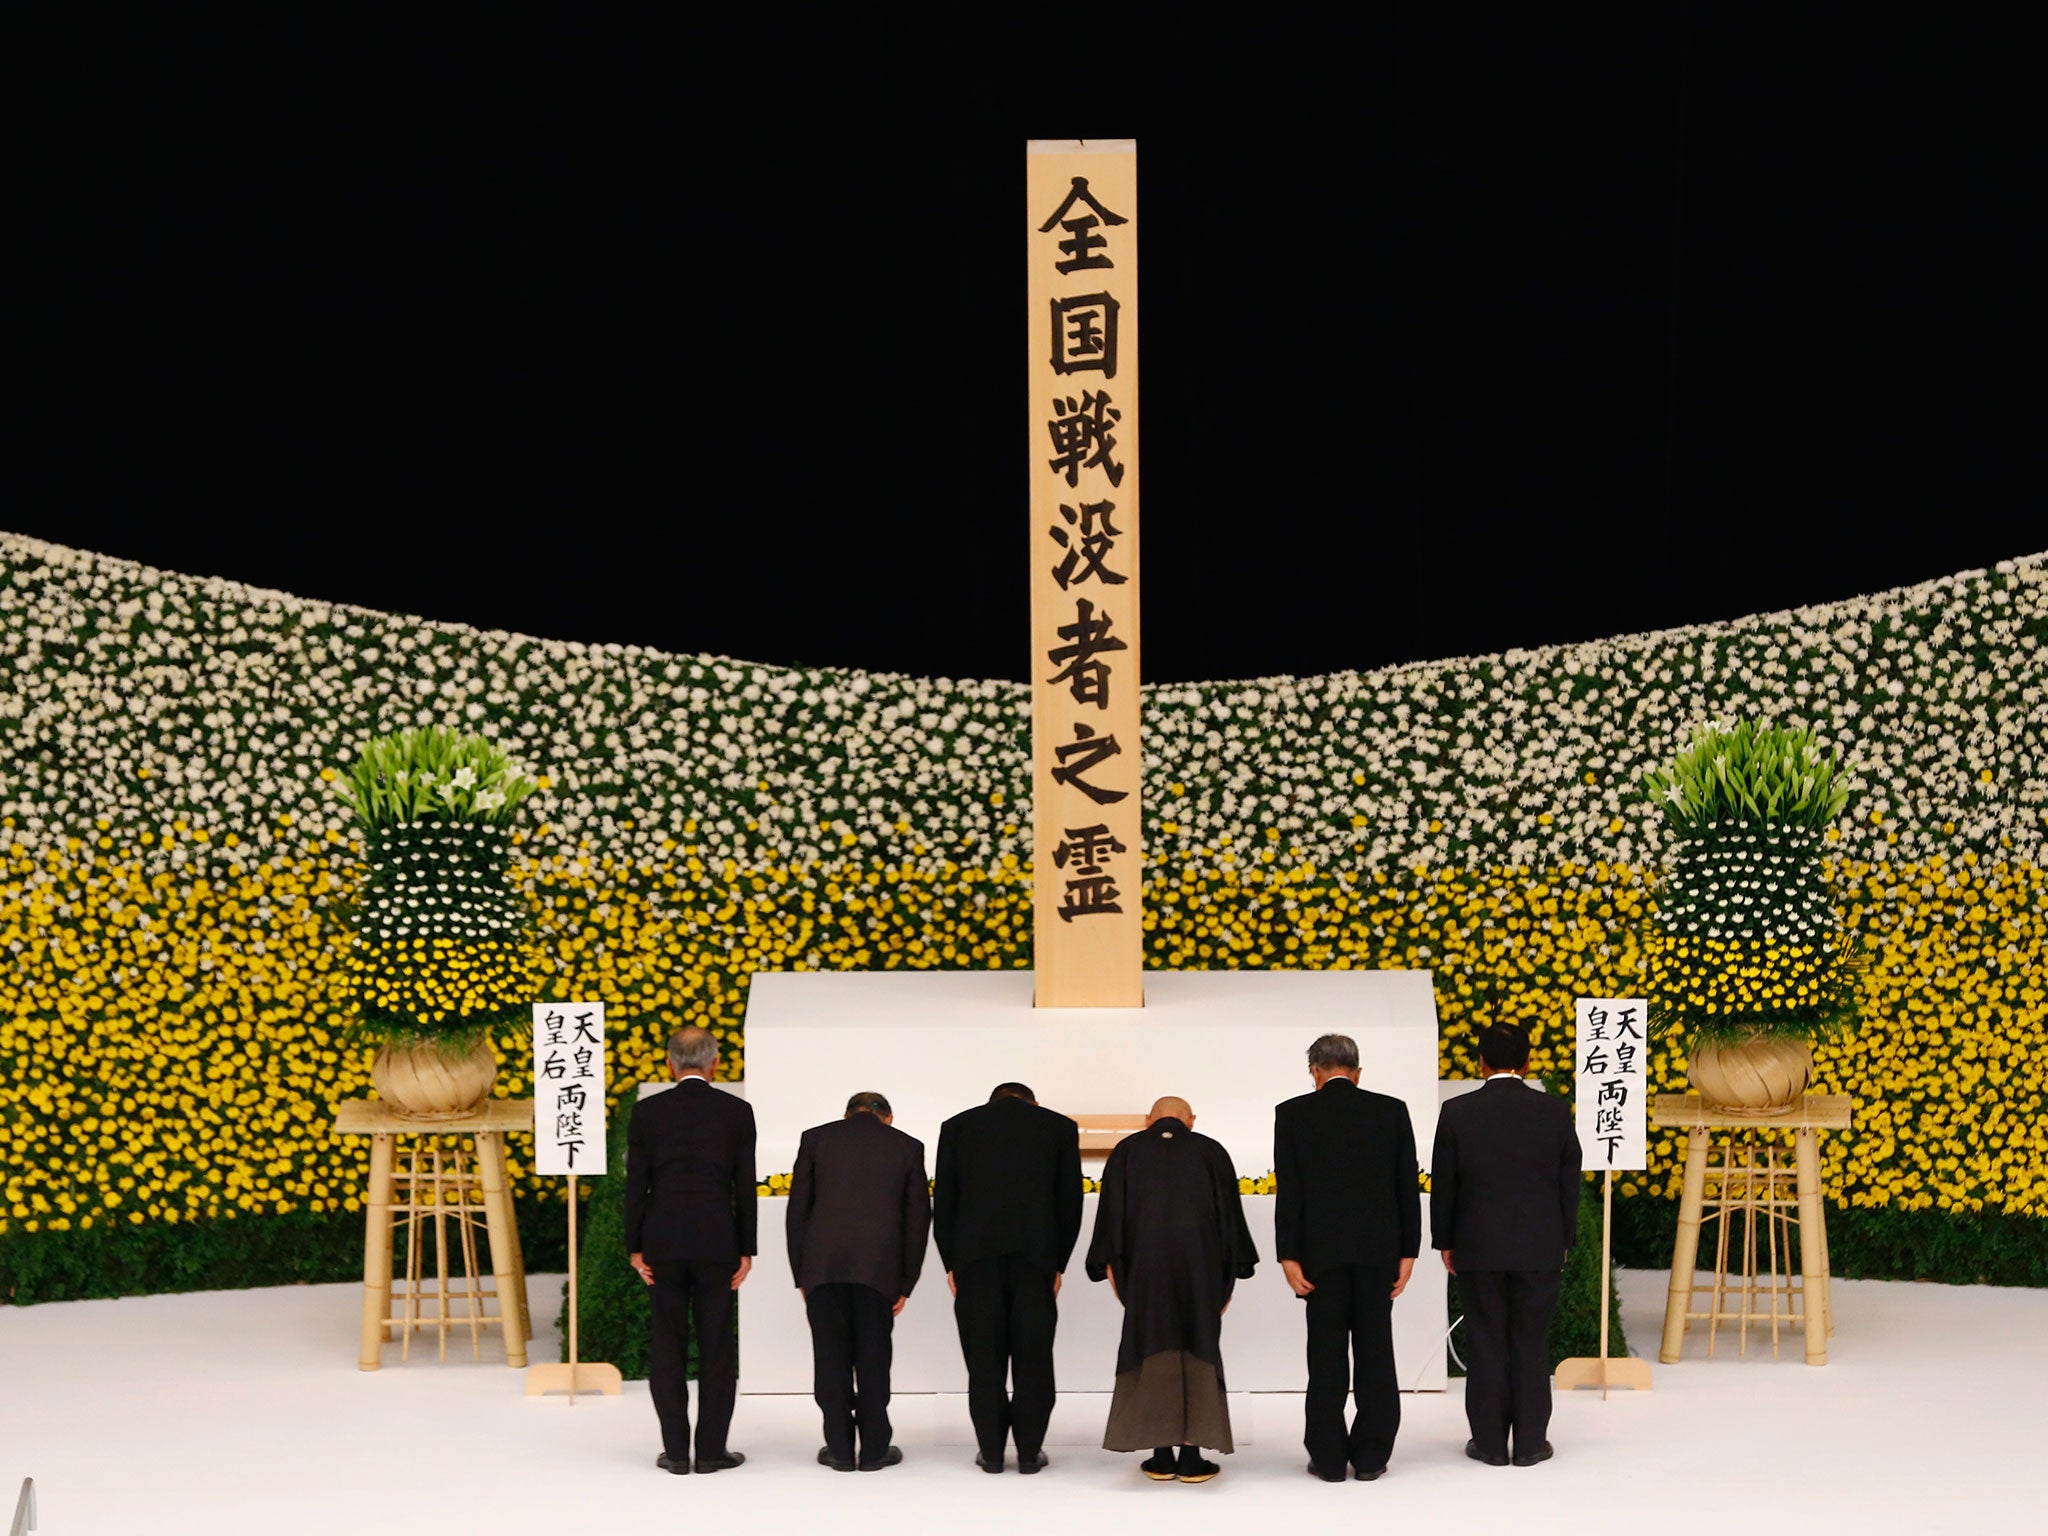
column 150, row 1258
column 1575, row 1331
column 1871, row 1243
column 1749, row 774
column 434, row 773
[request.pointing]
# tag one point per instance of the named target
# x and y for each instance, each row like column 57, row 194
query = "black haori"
column 1171, row 1225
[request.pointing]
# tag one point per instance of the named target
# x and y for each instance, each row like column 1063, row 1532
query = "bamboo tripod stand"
column 441, row 1186
column 1782, row 1193
column 1604, row 1372
column 572, row 1375
column 447, row 1187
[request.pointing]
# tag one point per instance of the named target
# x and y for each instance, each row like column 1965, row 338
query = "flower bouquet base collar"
column 434, row 1080
column 1750, row 1075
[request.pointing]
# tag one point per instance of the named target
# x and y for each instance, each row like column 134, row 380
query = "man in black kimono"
column 1170, row 1237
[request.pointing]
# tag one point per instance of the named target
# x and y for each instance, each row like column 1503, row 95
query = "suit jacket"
column 1347, row 1190
column 1504, row 1180
column 690, row 1175
column 1008, row 1181
column 859, row 1207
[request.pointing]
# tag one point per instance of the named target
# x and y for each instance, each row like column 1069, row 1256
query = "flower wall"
column 172, row 846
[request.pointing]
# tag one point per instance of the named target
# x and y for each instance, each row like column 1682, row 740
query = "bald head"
column 1171, row 1108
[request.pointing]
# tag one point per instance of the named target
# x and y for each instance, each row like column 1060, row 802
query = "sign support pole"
column 568, row 1080
column 573, row 1375
column 1627, row 1371
column 1608, row 1054
column 572, row 1287
column 1606, row 1260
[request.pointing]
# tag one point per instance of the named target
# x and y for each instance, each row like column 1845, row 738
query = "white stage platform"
column 242, row 1413
column 1233, row 1043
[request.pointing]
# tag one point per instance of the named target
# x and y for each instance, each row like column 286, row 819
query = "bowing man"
column 1347, row 1223
column 1170, row 1237
column 1504, row 1207
column 859, row 1212
column 1006, row 1212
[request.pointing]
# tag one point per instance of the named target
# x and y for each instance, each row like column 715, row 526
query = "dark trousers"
column 688, row 1294
column 1007, row 1315
column 1507, row 1356
column 850, row 1353
column 1351, row 1344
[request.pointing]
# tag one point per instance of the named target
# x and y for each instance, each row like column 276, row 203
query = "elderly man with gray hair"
column 1347, row 1223
column 690, row 1208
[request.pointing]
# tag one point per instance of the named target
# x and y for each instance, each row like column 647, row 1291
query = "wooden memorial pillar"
column 1087, row 764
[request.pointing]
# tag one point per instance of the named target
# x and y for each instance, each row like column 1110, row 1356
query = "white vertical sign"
column 1612, row 1057
column 568, row 1087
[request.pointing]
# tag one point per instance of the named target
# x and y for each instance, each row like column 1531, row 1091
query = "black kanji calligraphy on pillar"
column 1086, row 676
column 1094, row 536
column 1083, row 245
column 1089, row 896
column 1087, row 750
column 1081, row 436
column 1084, row 334
column 1086, row 848
column 1090, row 889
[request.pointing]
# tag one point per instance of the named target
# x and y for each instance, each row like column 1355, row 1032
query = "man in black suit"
column 690, row 1230
column 1347, row 1224
column 1006, row 1211
column 1504, row 1207
column 859, row 1211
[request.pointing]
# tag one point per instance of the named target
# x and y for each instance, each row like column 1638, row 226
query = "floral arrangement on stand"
column 1747, row 955
column 172, row 867
column 440, row 955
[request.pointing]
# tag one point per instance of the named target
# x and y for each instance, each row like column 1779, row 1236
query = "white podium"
column 1232, row 1043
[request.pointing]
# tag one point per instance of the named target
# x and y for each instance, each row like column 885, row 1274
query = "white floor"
column 243, row 1411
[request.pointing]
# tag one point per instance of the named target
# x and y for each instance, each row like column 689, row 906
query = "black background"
column 1457, row 337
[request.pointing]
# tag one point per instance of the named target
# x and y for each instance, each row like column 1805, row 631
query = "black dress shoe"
column 1370, row 1474
column 836, row 1463
column 1472, row 1450
column 1530, row 1458
column 1328, row 1477
column 725, row 1461
column 678, row 1465
column 888, row 1458
column 1034, row 1462
column 986, row 1465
